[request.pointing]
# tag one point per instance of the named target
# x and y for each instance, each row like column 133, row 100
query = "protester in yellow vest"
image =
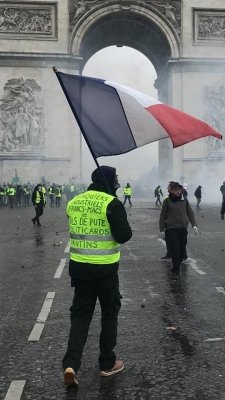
column 127, row 193
column 38, row 201
column 97, row 223
column 11, row 192
column 58, row 195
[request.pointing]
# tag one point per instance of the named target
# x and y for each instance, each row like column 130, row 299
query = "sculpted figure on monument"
column 79, row 8
column 171, row 10
column 21, row 116
column 25, row 20
column 211, row 27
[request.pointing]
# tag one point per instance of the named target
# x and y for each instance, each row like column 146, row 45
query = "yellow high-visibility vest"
column 91, row 240
column 38, row 197
column 127, row 191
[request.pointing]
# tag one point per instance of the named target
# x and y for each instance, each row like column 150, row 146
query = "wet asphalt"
column 171, row 334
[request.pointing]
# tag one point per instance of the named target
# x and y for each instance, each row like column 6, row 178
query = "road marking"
column 42, row 317
column 217, row 339
column 193, row 264
column 191, row 261
column 36, row 332
column 67, row 249
column 60, row 268
column 162, row 241
column 220, row 290
column 15, row 390
column 151, row 292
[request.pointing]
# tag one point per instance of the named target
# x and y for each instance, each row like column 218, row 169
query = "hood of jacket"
column 105, row 177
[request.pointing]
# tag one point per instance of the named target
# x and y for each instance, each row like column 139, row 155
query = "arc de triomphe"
column 184, row 39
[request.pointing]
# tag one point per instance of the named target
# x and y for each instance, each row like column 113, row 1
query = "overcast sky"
column 128, row 67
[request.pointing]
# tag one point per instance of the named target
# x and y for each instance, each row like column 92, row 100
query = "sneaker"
column 33, row 220
column 70, row 377
column 118, row 366
column 166, row 258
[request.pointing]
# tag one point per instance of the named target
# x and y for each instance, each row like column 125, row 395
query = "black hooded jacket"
column 42, row 201
column 104, row 180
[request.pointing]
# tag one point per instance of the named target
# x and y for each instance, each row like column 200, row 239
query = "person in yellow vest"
column 43, row 188
column 127, row 193
column 38, row 201
column 97, row 223
column 51, row 193
column 11, row 193
column 58, row 196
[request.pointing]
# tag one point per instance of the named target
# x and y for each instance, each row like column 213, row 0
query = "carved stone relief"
column 21, row 116
column 30, row 21
column 209, row 26
column 171, row 9
column 214, row 98
column 77, row 8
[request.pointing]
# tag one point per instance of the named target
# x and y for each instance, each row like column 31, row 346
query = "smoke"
column 128, row 67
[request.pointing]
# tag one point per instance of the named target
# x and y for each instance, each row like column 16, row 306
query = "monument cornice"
column 42, row 60
column 195, row 60
column 40, row 157
column 195, row 64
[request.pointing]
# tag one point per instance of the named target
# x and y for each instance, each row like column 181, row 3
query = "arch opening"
column 121, row 65
column 124, row 29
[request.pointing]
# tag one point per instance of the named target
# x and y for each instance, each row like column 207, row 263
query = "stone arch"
column 141, row 27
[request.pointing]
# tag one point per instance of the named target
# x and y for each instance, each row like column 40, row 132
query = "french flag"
column 116, row 119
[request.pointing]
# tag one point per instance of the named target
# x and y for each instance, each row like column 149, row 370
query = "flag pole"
column 80, row 126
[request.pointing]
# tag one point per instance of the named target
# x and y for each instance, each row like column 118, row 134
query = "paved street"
column 171, row 333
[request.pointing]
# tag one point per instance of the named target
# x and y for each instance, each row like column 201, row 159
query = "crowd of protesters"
column 19, row 195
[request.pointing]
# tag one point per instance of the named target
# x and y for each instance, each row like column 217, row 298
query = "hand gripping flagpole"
column 80, row 126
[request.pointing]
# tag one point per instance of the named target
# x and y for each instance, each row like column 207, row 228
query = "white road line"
column 220, row 290
column 193, row 264
column 15, row 390
column 191, row 261
column 151, row 291
column 36, row 332
column 67, row 249
column 162, row 241
column 60, row 268
column 217, row 339
column 42, row 317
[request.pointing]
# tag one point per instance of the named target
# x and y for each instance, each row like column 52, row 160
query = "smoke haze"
column 128, row 67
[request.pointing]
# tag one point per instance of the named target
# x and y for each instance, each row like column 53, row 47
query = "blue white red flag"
column 116, row 119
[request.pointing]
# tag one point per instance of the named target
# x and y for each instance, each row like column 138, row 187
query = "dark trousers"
column 27, row 198
column 127, row 197
column 85, row 297
column 158, row 200
column 168, row 247
column 51, row 200
column 177, row 239
column 11, row 201
column 57, row 201
column 39, row 212
column 198, row 201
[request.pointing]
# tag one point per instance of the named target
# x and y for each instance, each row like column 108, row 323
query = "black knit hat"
column 175, row 185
